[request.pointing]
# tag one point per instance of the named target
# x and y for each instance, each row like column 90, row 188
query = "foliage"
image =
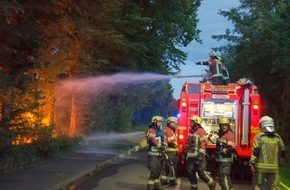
column 286, row 165
column 44, row 42
column 259, row 47
column 156, row 106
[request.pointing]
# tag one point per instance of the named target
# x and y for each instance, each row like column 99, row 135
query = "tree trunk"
column 72, row 126
column 286, row 111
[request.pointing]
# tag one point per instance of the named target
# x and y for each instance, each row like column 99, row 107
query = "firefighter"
column 267, row 156
column 224, row 148
column 170, row 165
column 156, row 146
column 196, row 152
column 215, row 67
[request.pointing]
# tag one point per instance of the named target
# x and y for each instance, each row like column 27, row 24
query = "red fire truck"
column 240, row 103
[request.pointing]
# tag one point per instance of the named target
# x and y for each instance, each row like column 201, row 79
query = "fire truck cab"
column 240, row 103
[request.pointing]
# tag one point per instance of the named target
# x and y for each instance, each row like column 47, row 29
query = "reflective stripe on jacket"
column 215, row 66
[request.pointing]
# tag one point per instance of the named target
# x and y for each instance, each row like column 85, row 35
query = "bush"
column 16, row 157
column 286, row 166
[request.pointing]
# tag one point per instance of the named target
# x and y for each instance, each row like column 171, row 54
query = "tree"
column 259, row 44
column 56, row 40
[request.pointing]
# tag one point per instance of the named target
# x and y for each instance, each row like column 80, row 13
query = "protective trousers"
column 265, row 180
column 196, row 165
column 225, row 179
column 154, row 168
column 168, row 173
column 217, row 80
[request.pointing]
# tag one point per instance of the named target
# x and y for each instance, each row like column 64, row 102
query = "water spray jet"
column 74, row 95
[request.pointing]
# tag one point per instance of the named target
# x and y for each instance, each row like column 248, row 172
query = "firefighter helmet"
column 211, row 54
column 196, row 119
column 267, row 124
column 157, row 118
column 171, row 119
column 224, row 120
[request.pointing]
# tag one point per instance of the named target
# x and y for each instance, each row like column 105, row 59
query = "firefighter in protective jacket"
column 196, row 152
column 215, row 67
column 267, row 156
column 169, row 165
column 224, row 149
column 156, row 146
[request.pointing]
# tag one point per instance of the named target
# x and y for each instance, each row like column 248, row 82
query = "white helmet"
column 211, row 54
column 267, row 124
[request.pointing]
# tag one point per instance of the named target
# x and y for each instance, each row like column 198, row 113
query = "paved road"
column 104, row 163
column 99, row 151
column 131, row 174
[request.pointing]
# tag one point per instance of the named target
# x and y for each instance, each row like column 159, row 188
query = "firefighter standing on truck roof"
column 267, row 156
column 196, row 151
column 156, row 147
column 215, row 67
column 224, row 149
column 169, row 168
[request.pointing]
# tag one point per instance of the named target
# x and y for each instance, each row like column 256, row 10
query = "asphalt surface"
column 56, row 174
column 99, row 152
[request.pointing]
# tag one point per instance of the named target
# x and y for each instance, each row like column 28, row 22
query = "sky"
column 210, row 23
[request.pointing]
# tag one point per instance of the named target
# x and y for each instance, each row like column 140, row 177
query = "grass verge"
column 285, row 174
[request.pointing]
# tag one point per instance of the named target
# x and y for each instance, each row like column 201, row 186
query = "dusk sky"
column 210, row 22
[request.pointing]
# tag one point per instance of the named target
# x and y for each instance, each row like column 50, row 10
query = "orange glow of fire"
column 31, row 118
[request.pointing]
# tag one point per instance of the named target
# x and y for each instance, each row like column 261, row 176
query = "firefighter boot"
column 164, row 180
column 212, row 185
column 157, row 186
column 193, row 187
column 172, row 182
column 150, row 186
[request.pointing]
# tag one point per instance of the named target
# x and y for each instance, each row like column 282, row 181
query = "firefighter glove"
column 201, row 157
column 165, row 156
column 281, row 162
column 282, row 158
column 158, row 145
column 162, row 147
column 256, row 151
column 174, row 145
column 224, row 151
